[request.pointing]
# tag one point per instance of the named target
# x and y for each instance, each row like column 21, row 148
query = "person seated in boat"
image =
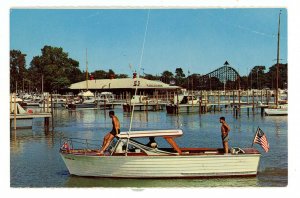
column 152, row 143
column 110, row 135
column 224, row 132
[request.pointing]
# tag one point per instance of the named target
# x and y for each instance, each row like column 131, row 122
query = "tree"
column 151, row 77
column 179, row 76
column 18, row 69
column 56, row 68
column 282, row 76
column 257, row 77
column 167, row 76
column 121, row 76
column 99, row 74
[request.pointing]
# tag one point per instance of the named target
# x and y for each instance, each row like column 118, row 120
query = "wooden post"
column 252, row 101
column 10, row 106
column 261, row 96
column 177, row 108
column 219, row 106
column 267, row 97
column 229, row 99
column 247, row 97
column 239, row 108
column 52, row 119
column 233, row 97
column 15, row 111
column 47, row 102
column 46, row 122
column 156, row 100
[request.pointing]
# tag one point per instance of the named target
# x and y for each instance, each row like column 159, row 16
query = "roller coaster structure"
column 224, row 74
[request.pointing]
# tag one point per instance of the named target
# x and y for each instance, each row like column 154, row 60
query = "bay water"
column 35, row 160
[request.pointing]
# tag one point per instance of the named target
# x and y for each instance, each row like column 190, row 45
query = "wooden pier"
column 18, row 114
column 14, row 119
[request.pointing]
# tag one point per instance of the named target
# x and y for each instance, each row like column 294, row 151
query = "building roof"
column 122, row 83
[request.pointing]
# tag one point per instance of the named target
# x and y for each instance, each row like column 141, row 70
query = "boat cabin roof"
column 151, row 133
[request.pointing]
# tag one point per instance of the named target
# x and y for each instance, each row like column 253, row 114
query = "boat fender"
column 236, row 150
column 66, row 147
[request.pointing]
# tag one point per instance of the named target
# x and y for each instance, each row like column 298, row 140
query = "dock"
column 25, row 120
column 143, row 107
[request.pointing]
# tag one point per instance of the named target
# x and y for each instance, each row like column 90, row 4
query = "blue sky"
column 197, row 40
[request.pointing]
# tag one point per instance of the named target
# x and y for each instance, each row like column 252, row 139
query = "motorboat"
column 277, row 111
column 183, row 103
column 129, row 157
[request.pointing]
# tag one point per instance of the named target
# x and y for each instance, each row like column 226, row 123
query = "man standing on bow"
column 224, row 132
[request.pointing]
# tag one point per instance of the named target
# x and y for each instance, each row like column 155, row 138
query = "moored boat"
column 128, row 157
column 280, row 110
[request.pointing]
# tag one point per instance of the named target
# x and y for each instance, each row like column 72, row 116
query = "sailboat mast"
column 277, row 66
column 86, row 70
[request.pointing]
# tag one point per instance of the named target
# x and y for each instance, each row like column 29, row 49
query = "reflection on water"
column 74, row 181
column 35, row 160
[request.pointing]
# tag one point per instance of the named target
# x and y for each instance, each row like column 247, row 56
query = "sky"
column 154, row 40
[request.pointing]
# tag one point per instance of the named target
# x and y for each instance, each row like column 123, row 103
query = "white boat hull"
column 270, row 112
column 162, row 166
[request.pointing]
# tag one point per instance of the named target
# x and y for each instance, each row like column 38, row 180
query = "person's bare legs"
column 225, row 147
column 107, row 139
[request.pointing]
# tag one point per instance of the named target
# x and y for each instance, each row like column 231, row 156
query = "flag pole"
column 255, row 136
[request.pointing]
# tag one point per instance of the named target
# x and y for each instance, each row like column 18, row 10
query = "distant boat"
column 142, row 103
column 183, row 103
column 105, row 100
column 86, row 100
column 129, row 158
column 280, row 110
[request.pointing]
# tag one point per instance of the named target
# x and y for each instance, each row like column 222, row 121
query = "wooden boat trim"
column 171, row 141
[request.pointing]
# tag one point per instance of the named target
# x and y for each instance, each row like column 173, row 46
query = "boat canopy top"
column 86, row 94
column 151, row 133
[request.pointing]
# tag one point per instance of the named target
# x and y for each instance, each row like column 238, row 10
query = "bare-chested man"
column 110, row 135
column 224, row 131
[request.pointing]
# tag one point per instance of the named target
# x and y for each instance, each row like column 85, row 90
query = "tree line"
column 58, row 71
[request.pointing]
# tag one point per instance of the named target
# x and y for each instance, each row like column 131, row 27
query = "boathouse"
column 121, row 85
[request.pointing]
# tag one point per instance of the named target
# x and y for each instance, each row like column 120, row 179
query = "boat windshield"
column 142, row 145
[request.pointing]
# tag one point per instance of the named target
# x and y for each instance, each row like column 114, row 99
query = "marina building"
column 122, row 85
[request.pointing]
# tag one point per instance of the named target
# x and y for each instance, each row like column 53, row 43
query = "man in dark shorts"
column 110, row 135
column 224, row 132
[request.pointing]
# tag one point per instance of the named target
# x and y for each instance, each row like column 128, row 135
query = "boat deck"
column 185, row 152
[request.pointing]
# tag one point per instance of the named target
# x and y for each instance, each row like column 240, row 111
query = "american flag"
column 261, row 139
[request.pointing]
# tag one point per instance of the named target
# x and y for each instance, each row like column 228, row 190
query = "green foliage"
column 167, row 76
column 18, row 70
column 57, row 69
column 179, row 76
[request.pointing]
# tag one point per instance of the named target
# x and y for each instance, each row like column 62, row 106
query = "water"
column 35, row 159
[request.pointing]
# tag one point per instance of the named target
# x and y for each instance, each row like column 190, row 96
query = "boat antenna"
column 139, row 68
column 138, row 76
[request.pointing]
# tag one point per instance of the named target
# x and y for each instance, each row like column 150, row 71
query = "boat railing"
column 69, row 144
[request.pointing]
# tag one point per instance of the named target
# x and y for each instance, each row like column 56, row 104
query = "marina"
column 200, row 130
column 177, row 117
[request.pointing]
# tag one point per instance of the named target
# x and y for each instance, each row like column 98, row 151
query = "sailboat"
column 279, row 109
column 86, row 99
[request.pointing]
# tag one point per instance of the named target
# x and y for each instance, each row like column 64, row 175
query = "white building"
column 121, row 85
